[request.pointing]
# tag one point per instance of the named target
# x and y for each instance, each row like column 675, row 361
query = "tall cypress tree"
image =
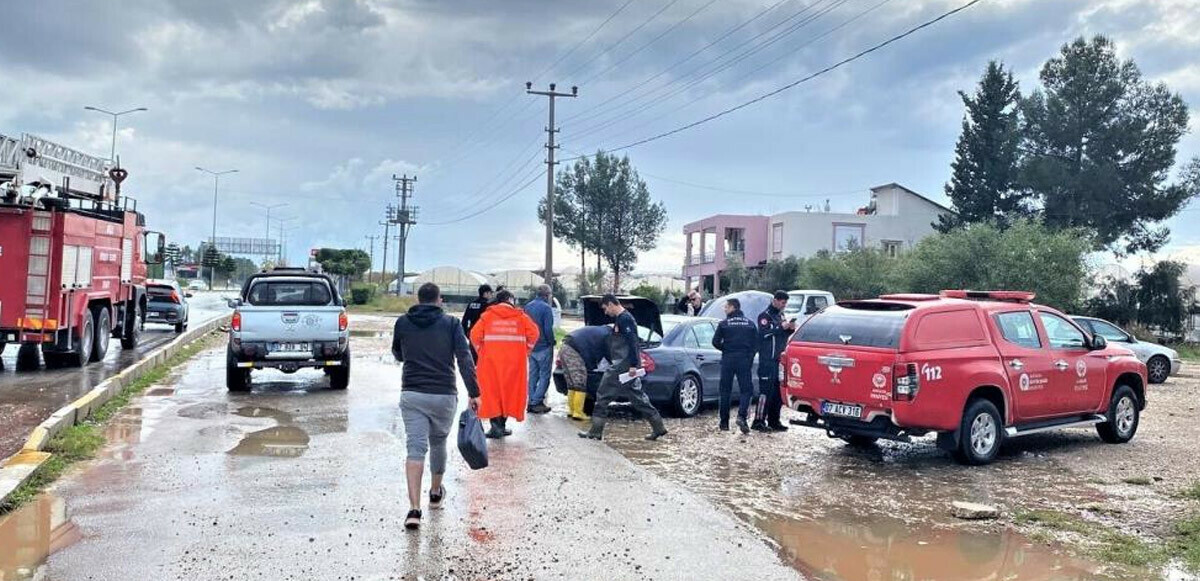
column 983, row 186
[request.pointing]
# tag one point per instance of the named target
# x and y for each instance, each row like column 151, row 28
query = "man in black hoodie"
column 428, row 342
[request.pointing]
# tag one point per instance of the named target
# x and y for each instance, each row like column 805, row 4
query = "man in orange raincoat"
column 503, row 337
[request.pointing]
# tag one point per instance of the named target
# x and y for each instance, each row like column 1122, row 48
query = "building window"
column 847, row 236
column 891, row 248
column 777, row 239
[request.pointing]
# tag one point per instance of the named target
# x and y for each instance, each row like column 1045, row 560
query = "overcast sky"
column 318, row 103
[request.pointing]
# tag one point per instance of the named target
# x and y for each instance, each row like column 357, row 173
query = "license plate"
column 153, row 315
column 291, row 348
column 841, row 409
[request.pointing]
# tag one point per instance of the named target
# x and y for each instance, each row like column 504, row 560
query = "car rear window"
column 289, row 293
column 160, row 293
column 842, row 326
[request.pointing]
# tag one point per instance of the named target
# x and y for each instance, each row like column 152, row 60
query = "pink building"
column 714, row 240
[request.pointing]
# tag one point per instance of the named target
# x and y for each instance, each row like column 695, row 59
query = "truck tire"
column 103, row 332
column 339, row 377
column 27, row 357
column 133, row 329
column 1158, row 369
column 236, row 378
column 980, row 434
column 1123, row 417
column 81, row 349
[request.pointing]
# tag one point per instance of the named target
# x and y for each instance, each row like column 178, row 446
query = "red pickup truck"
column 976, row 367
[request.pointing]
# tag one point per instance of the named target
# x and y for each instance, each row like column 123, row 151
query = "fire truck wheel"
column 103, row 332
column 81, row 350
column 133, row 333
column 27, row 357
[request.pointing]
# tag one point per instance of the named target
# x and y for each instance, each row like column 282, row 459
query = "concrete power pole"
column 405, row 219
column 387, row 225
column 550, row 147
column 371, row 240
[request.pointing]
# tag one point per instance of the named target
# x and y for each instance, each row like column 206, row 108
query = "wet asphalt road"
column 295, row 481
column 29, row 397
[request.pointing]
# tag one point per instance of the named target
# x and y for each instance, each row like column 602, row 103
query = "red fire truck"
column 73, row 254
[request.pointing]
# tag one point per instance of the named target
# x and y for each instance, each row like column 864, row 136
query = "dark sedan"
column 686, row 368
column 168, row 304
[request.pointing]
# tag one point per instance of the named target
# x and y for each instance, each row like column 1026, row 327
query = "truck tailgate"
column 840, row 374
column 289, row 323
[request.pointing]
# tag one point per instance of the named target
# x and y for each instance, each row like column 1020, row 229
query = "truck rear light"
column 648, row 363
column 905, row 382
column 38, row 324
column 343, row 321
column 236, row 322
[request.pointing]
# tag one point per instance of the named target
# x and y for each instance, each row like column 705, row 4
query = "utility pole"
column 550, row 147
column 371, row 238
column 387, row 224
column 404, row 219
column 213, row 240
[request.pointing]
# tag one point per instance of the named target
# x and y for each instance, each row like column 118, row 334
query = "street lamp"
column 283, row 235
column 112, row 156
column 268, row 208
column 212, row 270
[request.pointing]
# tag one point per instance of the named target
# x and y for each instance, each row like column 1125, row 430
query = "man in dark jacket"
column 773, row 333
column 475, row 310
column 428, row 342
column 737, row 340
column 623, row 379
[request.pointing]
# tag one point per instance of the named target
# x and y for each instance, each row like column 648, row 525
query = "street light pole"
column 282, row 236
column 212, row 242
column 268, row 208
column 112, row 155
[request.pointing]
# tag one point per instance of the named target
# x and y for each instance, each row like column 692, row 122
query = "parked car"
column 1161, row 362
column 288, row 319
column 803, row 304
column 683, row 368
column 973, row 367
column 753, row 303
column 167, row 304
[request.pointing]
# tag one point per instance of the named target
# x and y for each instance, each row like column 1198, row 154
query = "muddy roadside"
column 1071, row 507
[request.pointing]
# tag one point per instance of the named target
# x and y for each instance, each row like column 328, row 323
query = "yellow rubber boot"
column 575, row 401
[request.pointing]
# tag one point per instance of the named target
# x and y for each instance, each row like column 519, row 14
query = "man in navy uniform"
column 737, row 340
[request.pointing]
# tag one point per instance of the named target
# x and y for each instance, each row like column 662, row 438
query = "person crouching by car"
column 626, row 356
column 737, row 340
column 582, row 351
column 504, row 338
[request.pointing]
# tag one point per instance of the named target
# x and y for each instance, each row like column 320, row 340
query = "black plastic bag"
column 471, row 441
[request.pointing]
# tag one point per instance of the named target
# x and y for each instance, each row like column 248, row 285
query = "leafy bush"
column 361, row 293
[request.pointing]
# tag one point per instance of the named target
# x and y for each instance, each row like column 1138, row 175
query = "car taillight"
column 343, row 321
column 175, row 297
column 236, row 322
column 905, row 382
column 648, row 363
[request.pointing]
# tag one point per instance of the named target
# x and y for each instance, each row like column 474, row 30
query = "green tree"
column 1163, row 300
column 614, row 216
column 350, row 262
column 1100, row 142
column 779, row 274
column 983, row 186
column 659, row 296
column 1116, row 300
column 735, row 277
column 226, row 266
column 1026, row 256
column 857, row 273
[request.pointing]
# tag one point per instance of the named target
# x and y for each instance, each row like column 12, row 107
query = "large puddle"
column 32, row 533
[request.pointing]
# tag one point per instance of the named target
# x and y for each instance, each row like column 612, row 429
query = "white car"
column 1161, row 362
column 803, row 304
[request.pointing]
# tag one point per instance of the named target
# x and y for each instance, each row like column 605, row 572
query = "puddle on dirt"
column 160, row 392
column 32, row 533
column 854, row 549
column 253, row 411
column 125, row 428
column 369, row 333
column 279, row 442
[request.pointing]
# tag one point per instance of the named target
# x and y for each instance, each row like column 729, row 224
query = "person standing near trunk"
column 582, row 351
column 773, row 333
column 428, row 342
column 737, row 340
column 626, row 358
column 542, row 356
column 504, row 337
column 475, row 310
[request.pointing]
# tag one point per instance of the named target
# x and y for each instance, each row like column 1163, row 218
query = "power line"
column 639, row 49
column 499, row 201
column 622, row 39
column 563, row 57
column 800, row 81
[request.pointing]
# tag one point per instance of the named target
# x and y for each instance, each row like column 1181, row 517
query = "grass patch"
column 1185, row 543
column 1102, row 543
column 1191, row 493
column 82, row 441
column 1138, row 480
column 559, row 334
column 1188, row 351
column 384, row 304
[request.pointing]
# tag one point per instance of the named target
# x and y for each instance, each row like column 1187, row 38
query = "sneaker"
column 412, row 522
column 743, row 426
column 437, row 496
column 540, row 408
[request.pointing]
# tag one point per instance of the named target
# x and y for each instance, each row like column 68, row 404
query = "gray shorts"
column 428, row 419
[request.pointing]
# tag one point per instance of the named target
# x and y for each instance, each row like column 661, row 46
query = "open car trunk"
column 644, row 311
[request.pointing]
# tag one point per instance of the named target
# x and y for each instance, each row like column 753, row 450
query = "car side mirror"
column 188, row 295
column 1099, row 342
column 234, row 303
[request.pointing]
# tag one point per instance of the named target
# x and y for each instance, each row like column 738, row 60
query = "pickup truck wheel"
column 1158, row 368
column 980, row 434
column 689, row 396
column 1123, row 417
column 236, row 378
column 339, row 377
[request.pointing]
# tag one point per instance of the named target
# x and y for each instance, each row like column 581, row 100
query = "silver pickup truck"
column 288, row 319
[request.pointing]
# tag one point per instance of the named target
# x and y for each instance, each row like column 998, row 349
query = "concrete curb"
column 16, row 469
